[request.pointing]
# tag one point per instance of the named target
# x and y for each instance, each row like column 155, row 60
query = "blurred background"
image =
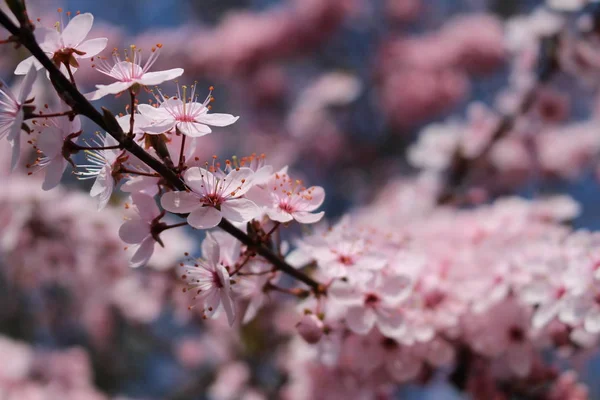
column 337, row 89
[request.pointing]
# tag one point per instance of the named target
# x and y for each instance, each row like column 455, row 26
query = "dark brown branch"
column 461, row 165
column 80, row 105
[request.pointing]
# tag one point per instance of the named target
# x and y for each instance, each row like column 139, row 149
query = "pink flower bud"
column 310, row 328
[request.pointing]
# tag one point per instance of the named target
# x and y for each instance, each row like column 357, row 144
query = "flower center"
column 287, row 207
column 212, row 199
column 371, row 300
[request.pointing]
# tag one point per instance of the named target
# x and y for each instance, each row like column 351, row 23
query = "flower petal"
column 216, row 119
column 210, row 250
column 238, row 180
column 77, row 29
column 28, row 63
column 27, row 84
column 92, row 47
column 180, row 202
column 134, row 231
column 228, row 307
column 307, row 218
column 143, row 253
column 146, row 206
column 54, row 171
column 158, row 77
column 113, row 88
column 204, row 218
column 240, row 210
column 360, row 320
column 193, row 129
column 316, row 194
column 50, row 141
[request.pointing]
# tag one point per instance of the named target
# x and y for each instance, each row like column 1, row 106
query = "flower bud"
column 310, row 328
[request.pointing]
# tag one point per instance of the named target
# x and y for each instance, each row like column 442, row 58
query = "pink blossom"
column 51, row 142
column 66, row 46
column 138, row 230
column 284, row 199
column 130, row 72
column 211, row 198
column 184, row 114
column 210, row 281
column 310, row 328
column 101, row 168
column 12, row 113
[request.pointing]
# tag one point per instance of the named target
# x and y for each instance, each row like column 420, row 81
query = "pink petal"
column 16, row 151
column 180, row 202
column 77, row 29
column 193, row 129
column 199, row 180
column 317, row 194
column 204, row 218
column 240, row 210
column 228, row 307
column 27, row 84
column 143, row 253
column 158, row 77
column 54, row 172
column 50, row 141
column 103, row 187
column 391, row 324
column 92, row 47
column 360, row 320
column 216, row 119
column 239, row 178
column 28, row 63
column 210, row 250
column 260, row 196
column 113, row 88
column 278, row 215
column 134, row 231
column 308, row 218
column 146, row 206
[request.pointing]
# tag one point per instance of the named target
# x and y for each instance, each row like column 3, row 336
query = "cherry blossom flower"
column 211, row 198
column 65, row 46
column 102, row 168
column 12, row 113
column 139, row 229
column 51, row 142
column 372, row 303
column 184, row 114
column 210, row 281
column 284, row 199
column 130, row 72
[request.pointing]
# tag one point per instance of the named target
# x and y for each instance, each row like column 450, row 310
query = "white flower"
column 189, row 117
column 51, row 142
column 211, row 198
column 285, row 199
column 131, row 72
column 66, row 46
column 11, row 113
column 210, row 280
column 138, row 230
column 101, row 167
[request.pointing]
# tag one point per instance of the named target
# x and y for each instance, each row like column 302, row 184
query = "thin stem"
column 71, row 77
column 41, row 115
column 80, row 105
column 135, row 172
column 181, row 157
column 248, row 257
column 175, row 225
column 461, row 165
column 131, row 116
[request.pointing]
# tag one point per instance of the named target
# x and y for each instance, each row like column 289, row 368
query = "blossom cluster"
column 399, row 291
